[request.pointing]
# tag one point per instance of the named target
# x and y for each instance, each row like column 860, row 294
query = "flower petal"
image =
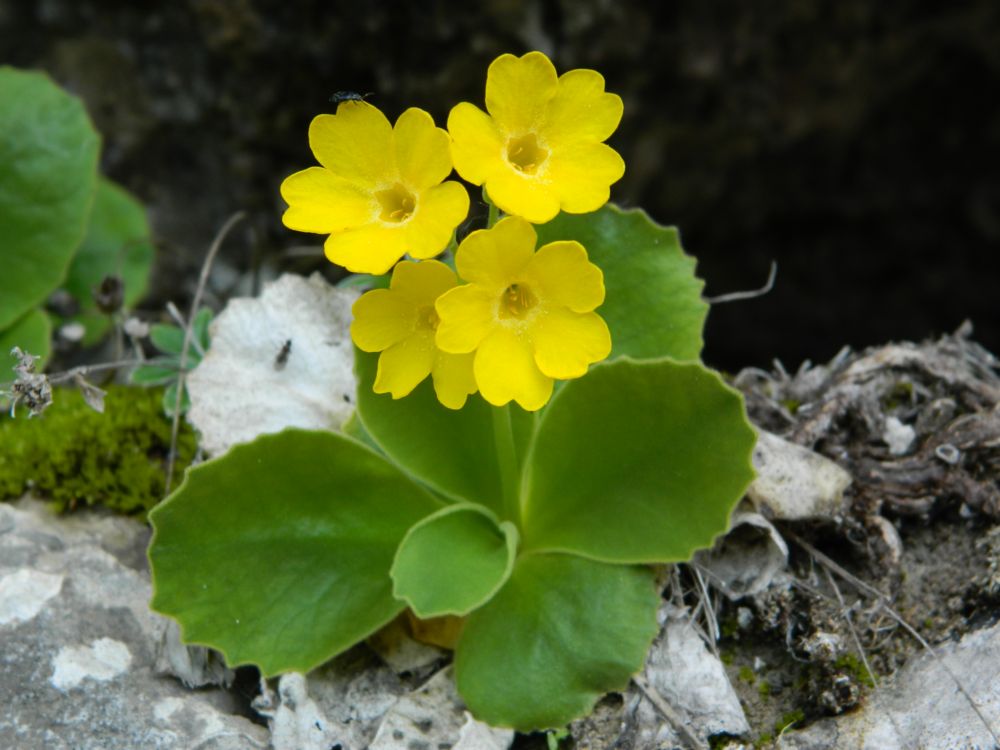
column 564, row 276
column 423, row 151
column 355, row 143
column 403, row 366
column 518, row 89
column 476, row 145
column 369, row 249
column 440, row 209
column 505, row 370
column 567, row 343
column 421, row 283
column 381, row 318
column 319, row 201
column 453, row 378
column 529, row 196
column 467, row 315
column 581, row 110
column 494, row 258
column 582, row 175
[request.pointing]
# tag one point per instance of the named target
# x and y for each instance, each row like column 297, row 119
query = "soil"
column 924, row 551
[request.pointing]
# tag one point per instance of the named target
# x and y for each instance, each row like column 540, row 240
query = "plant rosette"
column 533, row 432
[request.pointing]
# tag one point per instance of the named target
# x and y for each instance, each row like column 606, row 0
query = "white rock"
column 692, row 680
column 284, row 359
column 298, row 723
column 745, row 561
column 794, row 483
column 898, row 436
column 434, row 716
column 24, row 593
column 102, row 660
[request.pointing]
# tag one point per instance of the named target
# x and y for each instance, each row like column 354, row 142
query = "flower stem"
column 510, row 472
column 494, row 215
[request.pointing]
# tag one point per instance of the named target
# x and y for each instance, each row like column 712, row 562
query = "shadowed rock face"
column 851, row 142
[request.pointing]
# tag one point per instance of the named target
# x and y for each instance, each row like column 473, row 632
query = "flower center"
column 525, row 153
column 397, row 203
column 516, row 301
column 427, row 318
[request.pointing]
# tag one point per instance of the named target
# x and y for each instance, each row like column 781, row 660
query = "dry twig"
column 188, row 327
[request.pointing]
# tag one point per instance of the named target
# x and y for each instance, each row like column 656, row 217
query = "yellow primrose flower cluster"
column 513, row 319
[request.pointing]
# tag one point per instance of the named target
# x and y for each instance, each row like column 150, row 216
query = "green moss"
column 726, row 657
column 764, row 740
column 75, row 456
column 764, row 688
column 747, row 675
column 855, row 667
column 729, row 627
column 900, row 395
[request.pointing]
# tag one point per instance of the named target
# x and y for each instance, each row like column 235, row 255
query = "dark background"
column 855, row 143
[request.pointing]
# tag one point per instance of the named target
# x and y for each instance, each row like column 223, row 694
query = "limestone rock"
column 78, row 644
column 794, row 483
column 283, row 359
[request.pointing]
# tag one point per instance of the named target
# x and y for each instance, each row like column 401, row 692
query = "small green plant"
column 533, row 429
column 165, row 368
column 76, row 456
column 63, row 226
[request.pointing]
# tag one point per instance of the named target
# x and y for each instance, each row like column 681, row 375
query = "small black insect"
column 282, row 359
column 348, row 96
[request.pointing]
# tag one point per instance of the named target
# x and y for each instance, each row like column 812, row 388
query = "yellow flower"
column 540, row 147
column 400, row 322
column 379, row 192
column 529, row 316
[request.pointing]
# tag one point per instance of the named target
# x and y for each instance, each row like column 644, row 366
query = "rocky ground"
column 852, row 605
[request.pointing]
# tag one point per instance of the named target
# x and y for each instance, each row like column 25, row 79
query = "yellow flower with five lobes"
column 528, row 316
column 380, row 192
column 400, row 322
column 540, row 149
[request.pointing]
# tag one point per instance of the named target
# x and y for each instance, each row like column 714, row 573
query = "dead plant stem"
column 188, row 328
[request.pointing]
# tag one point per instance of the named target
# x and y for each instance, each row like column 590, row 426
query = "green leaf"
column 278, row 553
column 33, row 334
column 156, row 372
column 199, row 331
column 637, row 462
column 48, row 170
column 167, row 338
column 452, row 451
column 364, row 281
column 562, row 632
column 170, row 399
column 452, row 562
column 117, row 243
column 653, row 304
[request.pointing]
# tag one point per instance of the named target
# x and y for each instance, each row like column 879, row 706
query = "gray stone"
column 357, row 702
column 78, row 644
